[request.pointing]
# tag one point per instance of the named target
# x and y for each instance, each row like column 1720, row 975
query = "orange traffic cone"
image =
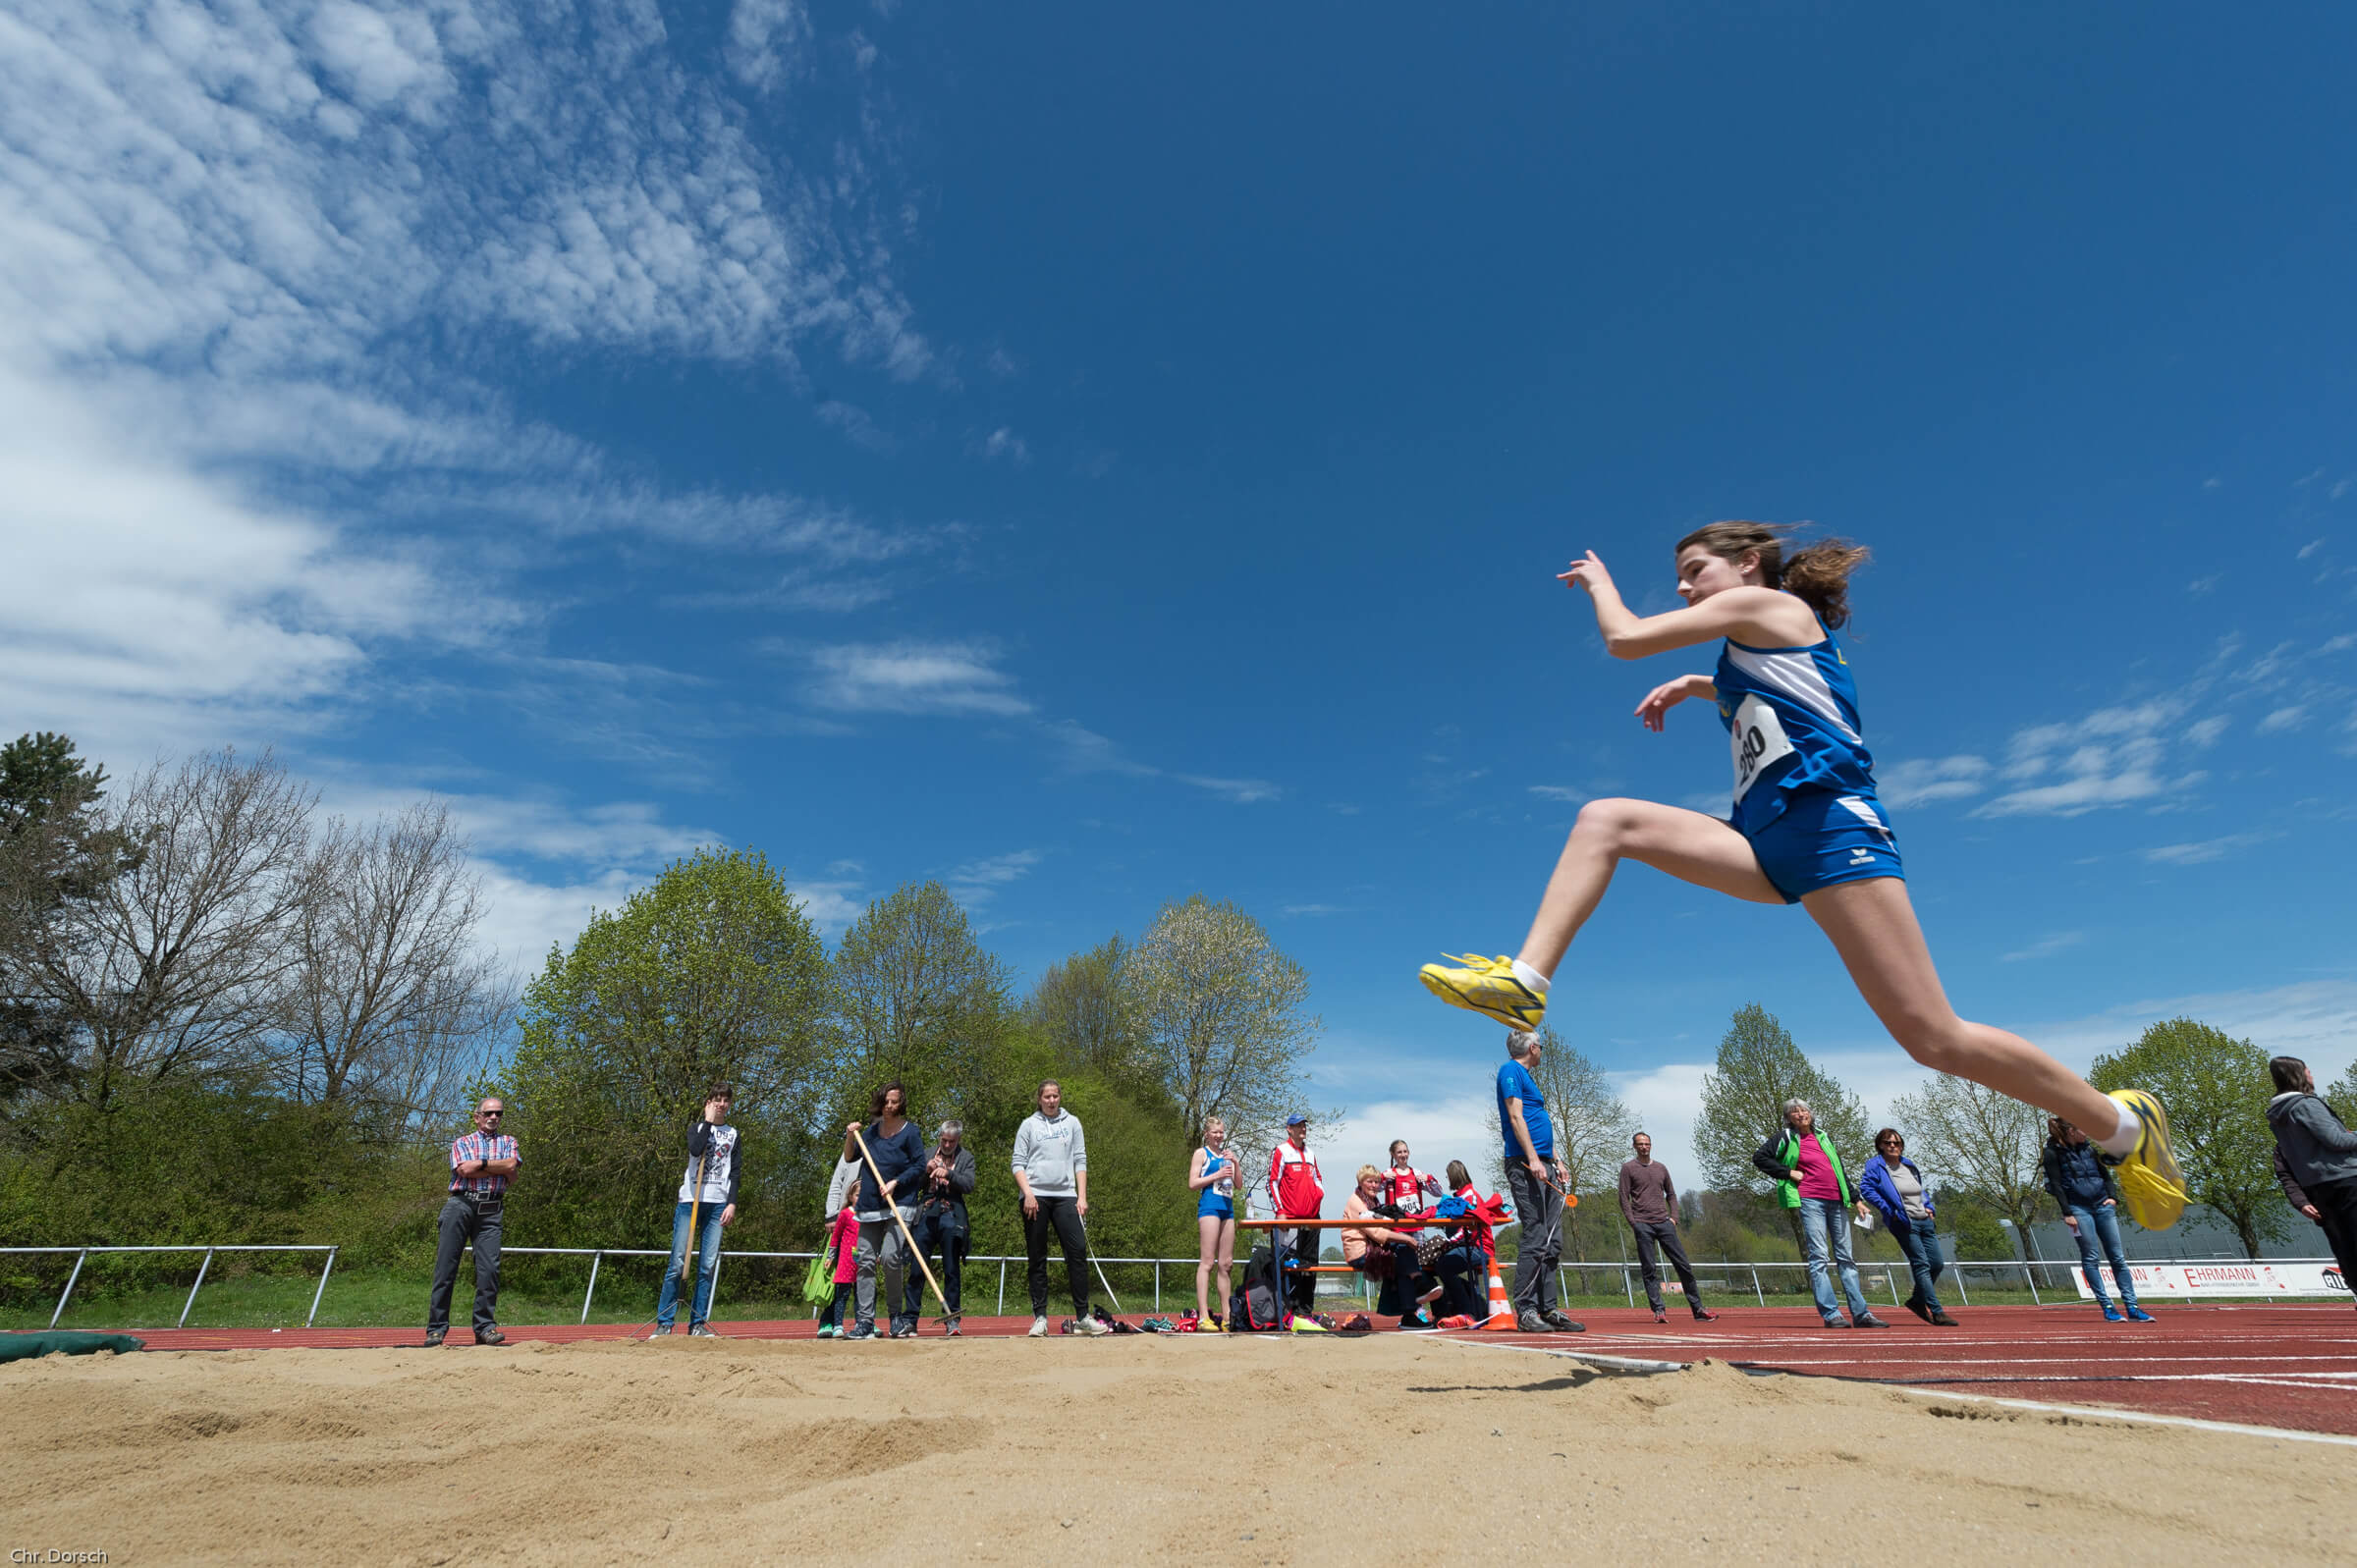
column 1502, row 1310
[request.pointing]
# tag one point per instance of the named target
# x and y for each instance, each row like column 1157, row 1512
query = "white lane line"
column 2093, row 1413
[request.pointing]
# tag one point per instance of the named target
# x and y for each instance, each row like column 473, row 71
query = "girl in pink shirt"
column 843, row 1238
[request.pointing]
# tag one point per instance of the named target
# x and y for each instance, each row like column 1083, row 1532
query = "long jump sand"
column 1145, row 1449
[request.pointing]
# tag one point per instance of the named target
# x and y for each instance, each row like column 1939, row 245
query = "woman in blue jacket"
column 2077, row 1176
column 1893, row 1184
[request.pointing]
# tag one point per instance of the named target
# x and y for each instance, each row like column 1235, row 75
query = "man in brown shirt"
column 1649, row 1203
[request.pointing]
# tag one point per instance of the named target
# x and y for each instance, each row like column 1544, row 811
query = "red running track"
column 2266, row 1365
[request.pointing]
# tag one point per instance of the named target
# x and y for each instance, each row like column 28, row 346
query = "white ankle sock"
column 2123, row 1139
column 1530, row 977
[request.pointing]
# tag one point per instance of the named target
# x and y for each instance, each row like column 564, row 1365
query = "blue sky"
column 1091, row 455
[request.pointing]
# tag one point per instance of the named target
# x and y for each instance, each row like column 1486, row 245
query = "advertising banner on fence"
column 2186, row 1279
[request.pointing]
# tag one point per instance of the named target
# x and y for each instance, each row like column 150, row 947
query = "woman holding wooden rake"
column 895, row 1158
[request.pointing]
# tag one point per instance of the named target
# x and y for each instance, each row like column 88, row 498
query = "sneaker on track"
column 2112, row 1314
column 2151, row 1185
column 1039, row 1328
column 1091, row 1326
column 1486, row 986
column 2137, row 1314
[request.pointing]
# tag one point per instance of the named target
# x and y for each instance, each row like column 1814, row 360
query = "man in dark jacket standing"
column 2316, row 1157
column 948, row 1175
column 1809, row 1177
column 1649, row 1203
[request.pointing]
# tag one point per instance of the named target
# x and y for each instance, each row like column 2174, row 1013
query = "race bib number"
column 1758, row 741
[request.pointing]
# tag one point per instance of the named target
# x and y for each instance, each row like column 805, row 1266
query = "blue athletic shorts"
column 1825, row 836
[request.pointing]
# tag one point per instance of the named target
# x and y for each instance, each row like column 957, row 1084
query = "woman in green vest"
column 1809, row 1177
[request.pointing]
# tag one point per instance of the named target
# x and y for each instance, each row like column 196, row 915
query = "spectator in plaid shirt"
column 481, row 1164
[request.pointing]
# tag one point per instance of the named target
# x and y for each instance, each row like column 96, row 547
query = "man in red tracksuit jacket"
column 1297, row 1192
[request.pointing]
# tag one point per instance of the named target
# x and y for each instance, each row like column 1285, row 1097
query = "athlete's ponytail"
column 1817, row 575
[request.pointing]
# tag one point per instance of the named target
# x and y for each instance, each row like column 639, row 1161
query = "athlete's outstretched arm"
column 1655, row 709
column 1761, row 615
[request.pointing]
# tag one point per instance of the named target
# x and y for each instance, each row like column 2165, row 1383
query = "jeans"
column 462, row 1223
column 832, row 1315
column 1916, row 1238
column 707, row 1266
column 2101, row 1222
column 1824, row 1227
column 943, row 1229
column 1062, row 1217
column 880, row 1249
column 1540, row 1208
column 1664, row 1234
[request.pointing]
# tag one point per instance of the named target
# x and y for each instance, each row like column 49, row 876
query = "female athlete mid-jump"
column 1806, row 829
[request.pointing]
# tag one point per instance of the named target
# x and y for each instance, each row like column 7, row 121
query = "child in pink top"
column 843, row 1238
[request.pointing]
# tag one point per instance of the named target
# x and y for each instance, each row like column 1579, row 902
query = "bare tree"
column 1984, row 1142
column 390, row 999
column 171, row 968
column 1217, row 1010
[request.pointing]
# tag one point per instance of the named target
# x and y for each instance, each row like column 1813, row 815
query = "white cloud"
column 1920, row 780
column 1437, row 1129
column 2313, row 545
column 857, row 425
column 2207, row 849
column 2341, row 644
column 1564, row 792
column 1002, row 443
column 1083, row 750
column 977, row 882
column 1300, row 909
column 916, row 678
column 2114, row 756
column 2046, row 946
column 764, row 36
column 2281, row 719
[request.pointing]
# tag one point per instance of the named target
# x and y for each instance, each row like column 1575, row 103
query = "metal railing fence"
column 1725, row 1275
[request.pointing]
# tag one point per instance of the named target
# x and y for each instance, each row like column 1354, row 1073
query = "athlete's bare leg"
column 1688, row 844
column 1873, row 927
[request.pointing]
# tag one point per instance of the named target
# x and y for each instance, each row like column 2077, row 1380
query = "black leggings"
column 1062, row 1216
column 2336, row 1209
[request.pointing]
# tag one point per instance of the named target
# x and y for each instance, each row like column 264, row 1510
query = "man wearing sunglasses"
column 481, row 1164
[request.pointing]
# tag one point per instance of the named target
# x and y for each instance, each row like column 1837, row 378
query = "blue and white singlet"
column 1216, row 1201
column 1792, row 715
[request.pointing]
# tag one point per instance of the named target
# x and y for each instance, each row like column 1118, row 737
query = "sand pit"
column 1241, row 1450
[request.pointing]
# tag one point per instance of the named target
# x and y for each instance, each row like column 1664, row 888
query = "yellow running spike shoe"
column 1486, row 986
column 2149, row 1183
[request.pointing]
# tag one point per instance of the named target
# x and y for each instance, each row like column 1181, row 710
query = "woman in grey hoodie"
column 2317, row 1157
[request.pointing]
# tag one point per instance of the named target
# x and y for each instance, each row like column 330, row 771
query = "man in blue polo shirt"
column 1535, row 1178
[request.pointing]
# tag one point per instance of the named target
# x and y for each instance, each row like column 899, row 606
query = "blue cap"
column 1296, row 1120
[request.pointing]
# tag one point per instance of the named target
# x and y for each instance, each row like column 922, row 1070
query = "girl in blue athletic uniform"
column 1212, row 1175
column 1804, row 827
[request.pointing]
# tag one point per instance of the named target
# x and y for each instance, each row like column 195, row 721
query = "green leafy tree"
column 1978, row 1141
column 711, row 974
column 917, row 999
column 1743, row 1096
column 1218, row 1013
column 55, row 849
column 1080, row 1011
column 2342, row 1095
column 1592, row 1129
column 2215, row 1089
